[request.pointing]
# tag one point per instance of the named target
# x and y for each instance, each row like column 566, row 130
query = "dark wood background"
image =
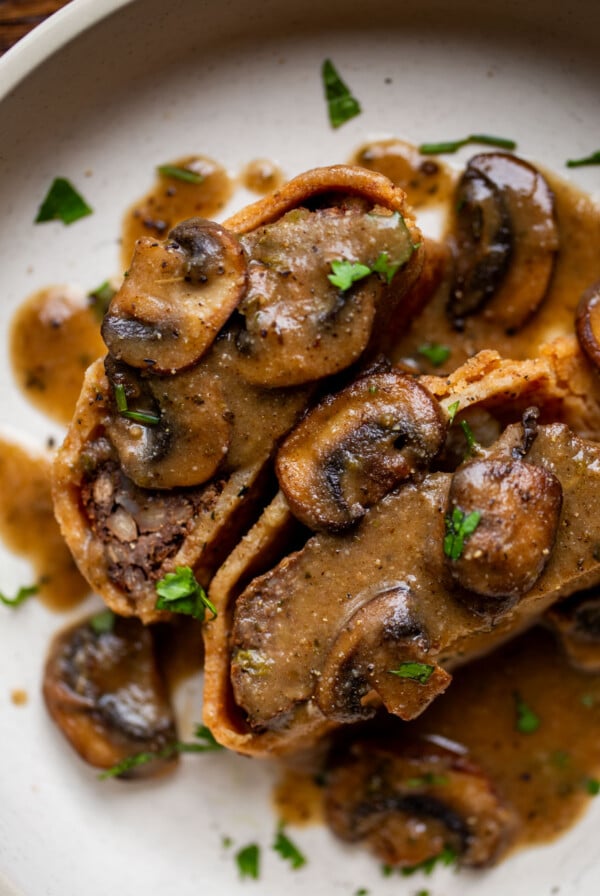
column 17, row 17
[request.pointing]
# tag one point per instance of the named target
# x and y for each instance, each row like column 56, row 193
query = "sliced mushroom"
column 408, row 801
column 175, row 297
column 103, row 689
column 576, row 621
column 356, row 446
column 587, row 323
column 319, row 636
column 519, row 506
column 295, row 325
column 364, row 658
column 506, row 241
column 174, row 431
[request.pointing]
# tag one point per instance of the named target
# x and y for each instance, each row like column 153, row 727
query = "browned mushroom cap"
column 295, row 324
column 174, row 430
column 587, row 323
column 576, row 621
column 520, row 506
column 176, row 297
column 505, row 242
column 103, row 689
column 356, row 446
column 382, row 651
column 413, row 801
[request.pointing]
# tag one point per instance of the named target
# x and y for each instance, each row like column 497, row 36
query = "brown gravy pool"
column 54, row 335
column 28, row 527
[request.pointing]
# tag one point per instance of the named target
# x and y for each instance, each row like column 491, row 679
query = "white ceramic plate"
column 115, row 87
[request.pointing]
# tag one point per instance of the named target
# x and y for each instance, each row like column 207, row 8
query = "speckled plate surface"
column 112, row 88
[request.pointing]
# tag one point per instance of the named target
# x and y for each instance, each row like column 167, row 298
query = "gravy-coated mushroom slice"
column 587, row 323
column 518, row 507
column 355, row 447
column 411, row 802
column 103, row 689
column 169, row 431
column 331, row 256
column 371, row 617
column 176, row 297
column 576, row 622
column 506, row 241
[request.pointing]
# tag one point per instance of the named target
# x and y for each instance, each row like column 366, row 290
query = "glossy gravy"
column 546, row 774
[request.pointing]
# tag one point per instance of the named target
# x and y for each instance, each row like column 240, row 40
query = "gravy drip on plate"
column 172, row 199
column 28, row 527
column 54, row 337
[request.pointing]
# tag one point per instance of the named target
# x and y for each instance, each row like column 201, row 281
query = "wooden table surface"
column 17, row 17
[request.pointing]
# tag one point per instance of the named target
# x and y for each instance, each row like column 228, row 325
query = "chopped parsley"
column 588, row 700
column 435, row 353
column 178, row 172
column 180, row 592
column 446, row 857
column 459, row 525
column 593, row 159
column 430, row 149
column 527, row 721
column 592, row 786
column 248, row 861
column 206, row 744
column 428, row 780
column 20, row 597
column 103, row 622
column 471, row 441
column 62, row 203
column 346, row 273
column 362, row 891
column 147, row 418
column 100, row 298
column 341, row 105
column 387, row 870
column 288, row 850
column 452, row 409
column 420, row 672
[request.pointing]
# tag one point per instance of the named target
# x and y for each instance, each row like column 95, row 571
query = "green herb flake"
column 226, row 842
column 362, row 891
column 178, row 172
column 387, row 268
column 102, row 623
column 592, row 786
column 387, row 870
column 446, row 146
column 560, row 759
column 206, row 744
column 144, row 417
column 588, row 700
column 459, row 525
column 423, row 893
column 428, row 780
column 180, row 592
column 527, row 721
column 62, row 203
column 452, row 409
column 20, row 597
column 100, row 298
column 420, row 672
column 471, row 440
column 288, row 850
column 341, row 105
column 593, row 159
column 248, row 861
column 345, row 273
column 435, row 353
column 446, row 857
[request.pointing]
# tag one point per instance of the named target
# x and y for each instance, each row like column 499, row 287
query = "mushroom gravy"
column 54, row 336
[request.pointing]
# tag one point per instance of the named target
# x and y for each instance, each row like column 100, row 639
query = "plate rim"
column 51, row 35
